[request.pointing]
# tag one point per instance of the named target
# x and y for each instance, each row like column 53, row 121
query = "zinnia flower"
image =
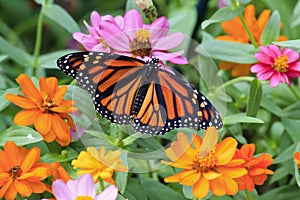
column 21, row 172
column 297, row 159
column 237, row 33
column 129, row 36
column 256, row 167
column 99, row 164
column 59, row 172
column 207, row 165
column 83, row 188
column 276, row 65
column 45, row 108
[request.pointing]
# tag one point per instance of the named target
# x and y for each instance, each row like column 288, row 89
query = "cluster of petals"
column 297, row 158
column 21, row 172
column 99, row 164
column 276, row 65
column 129, row 36
column 83, row 188
column 45, row 108
column 257, row 167
column 207, row 165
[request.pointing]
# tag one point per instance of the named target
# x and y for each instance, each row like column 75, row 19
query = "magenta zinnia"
column 276, row 65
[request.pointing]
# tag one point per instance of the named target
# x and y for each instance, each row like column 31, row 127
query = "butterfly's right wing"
column 112, row 80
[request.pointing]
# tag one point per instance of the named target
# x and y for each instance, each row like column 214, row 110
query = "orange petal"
column 200, row 189
column 30, row 159
column 249, row 16
column 36, row 174
column 188, row 177
column 59, row 95
column 217, row 187
column 209, row 141
column 21, row 101
column 61, row 130
column 52, row 85
column 210, row 175
column 23, row 188
column 197, row 141
column 50, row 136
column 263, row 20
column 232, row 172
column 13, row 153
column 9, row 189
column 240, row 69
column 43, row 123
column 29, row 89
column 5, row 165
column 235, row 29
column 248, row 150
column 172, row 179
column 224, row 65
column 226, row 150
column 227, row 38
column 26, row 117
column 37, row 187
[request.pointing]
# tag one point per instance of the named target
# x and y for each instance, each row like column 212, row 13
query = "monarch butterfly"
column 128, row 90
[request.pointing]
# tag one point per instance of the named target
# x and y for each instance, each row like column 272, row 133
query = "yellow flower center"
column 141, row 45
column 205, row 163
column 84, row 198
column 281, row 63
column 15, row 172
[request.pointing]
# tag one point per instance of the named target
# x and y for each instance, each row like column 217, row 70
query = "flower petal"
column 43, row 123
column 26, row 117
column 200, row 189
column 110, row 193
column 291, row 54
column 132, row 20
column 12, row 150
column 23, row 188
column 226, row 150
column 188, row 177
column 30, row 159
column 232, row 172
column 29, row 89
column 168, row 42
column 87, row 187
column 21, row 101
column 61, row 191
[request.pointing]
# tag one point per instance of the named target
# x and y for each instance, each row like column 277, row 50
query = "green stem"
column 38, row 41
column 295, row 93
column 130, row 139
column 248, row 195
column 101, row 183
column 232, row 81
column 252, row 39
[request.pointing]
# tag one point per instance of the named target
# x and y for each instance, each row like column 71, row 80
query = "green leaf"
column 279, row 174
column 292, row 127
column 289, row 43
column 3, row 102
column 241, row 118
column 21, row 135
column 295, row 19
column 134, row 190
column 285, row 192
column 272, row 30
column 61, row 17
column 287, row 154
column 228, row 51
column 156, row 190
column 120, row 178
column 16, row 54
column 272, row 107
column 254, row 98
column 49, row 60
column 187, row 191
column 291, row 111
column 51, row 157
column 241, row 195
column 96, row 139
column 222, row 14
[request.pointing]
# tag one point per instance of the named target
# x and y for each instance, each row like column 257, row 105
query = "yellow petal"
column 171, row 179
column 226, row 150
column 188, row 177
column 23, row 188
column 200, row 189
column 232, row 172
column 210, row 175
column 209, row 141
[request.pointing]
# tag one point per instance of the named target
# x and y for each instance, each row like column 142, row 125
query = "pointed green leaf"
column 222, row 14
column 241, row 118
column 272, row 30
column 254, row 98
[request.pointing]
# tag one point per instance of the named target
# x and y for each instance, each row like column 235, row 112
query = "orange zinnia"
column 20, row 171
column 207, row 165
column 59, row 172
column 297, row 159
column 45, row 108
column 99, row 164
column 237, row 33
column 256, row 167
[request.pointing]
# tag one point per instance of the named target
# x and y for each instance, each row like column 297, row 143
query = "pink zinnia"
column 129, row 36
column 276, row 65
column 83, row 187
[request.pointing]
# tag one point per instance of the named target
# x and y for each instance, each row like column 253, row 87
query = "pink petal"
column 267, row 51
column 120, row 21
column 72, row 185
column 291, row 54
column 92, row 31
column 258, row 67
column 168, row 42
column 166, row 68
column 263, row 58
column 95, row 19
column 180, row 60
column 276, row 50
column 132, row 20
column 100, row 48
column 265, row 75
column 86, row 40
column 86, row 186
column 274, row 81
column 166, row 55
column 159, row 28
column 109, row 193
column 61, row 191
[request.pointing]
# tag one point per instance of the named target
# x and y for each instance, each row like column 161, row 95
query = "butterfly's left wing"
column 170, row 103
column 111, row 79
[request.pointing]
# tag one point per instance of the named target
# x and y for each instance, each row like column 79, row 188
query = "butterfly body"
column 127, row 90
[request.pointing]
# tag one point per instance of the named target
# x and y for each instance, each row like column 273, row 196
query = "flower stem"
column 101, row 183
column 232, row 81
column 295, row 93
column 38, row 41
column 130, row 139
column 248, row 195
column 253, row 42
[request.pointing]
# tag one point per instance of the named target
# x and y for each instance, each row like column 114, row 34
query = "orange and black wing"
column 112, row 80
column 169, row 102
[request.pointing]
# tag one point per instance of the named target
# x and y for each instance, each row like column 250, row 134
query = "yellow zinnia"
column 99, row 164
column 206, row 165
column 236, row 33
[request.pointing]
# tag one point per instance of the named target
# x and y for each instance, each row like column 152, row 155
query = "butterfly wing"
column 171, row 103
column 112, row 80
